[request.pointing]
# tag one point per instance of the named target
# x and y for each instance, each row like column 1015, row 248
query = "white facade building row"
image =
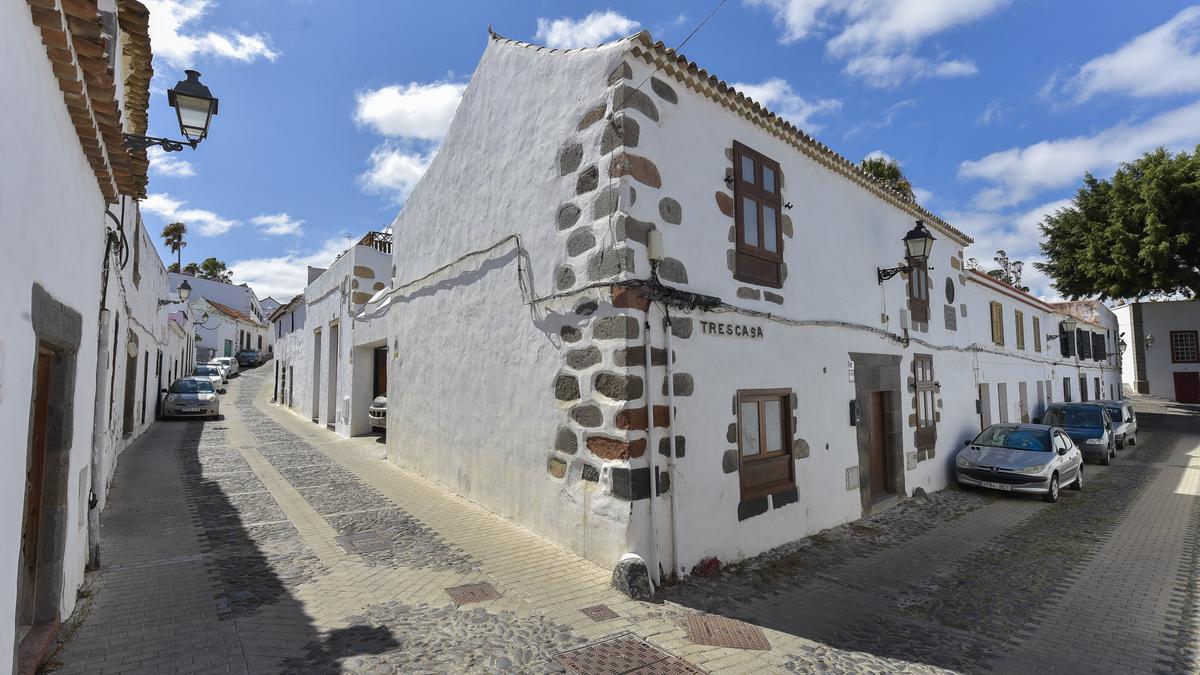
column 89, row 331
column 1163, row 358
column 756, row 384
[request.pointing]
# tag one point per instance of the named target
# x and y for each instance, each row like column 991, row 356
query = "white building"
column 794, row 389
column 331, row 359
column 88, row 331
column 253, row 331
column 1163, row 357
column 227, row 330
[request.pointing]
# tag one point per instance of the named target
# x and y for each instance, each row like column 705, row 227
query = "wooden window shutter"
column 1019, row 325
column 1037, row 334
column 997, row 323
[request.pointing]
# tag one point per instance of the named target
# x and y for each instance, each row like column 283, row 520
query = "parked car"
column 248, row 357
column 230, row 362
column 223, row 367
column 192, row 397
column 213, row 374
column 1028, row 458
column 1124, row 422
column 1088, row 425
column 378, row 413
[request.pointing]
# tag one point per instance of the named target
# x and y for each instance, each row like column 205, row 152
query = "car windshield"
column 1115, row 412
column 1087, row 418
column 192, row 387
column 206, row 370
column 1015, row 438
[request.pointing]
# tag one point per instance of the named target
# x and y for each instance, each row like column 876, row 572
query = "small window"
column 997, row 323
column 757, row 205
column 1019, row 326
column 1099, row 348
column 918, row 291
column 1184, row 346
column 1083, row 342
column 926, row 392
column 1037, row 334
column 764, row 441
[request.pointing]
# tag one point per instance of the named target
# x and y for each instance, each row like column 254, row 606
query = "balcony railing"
column 380, row 241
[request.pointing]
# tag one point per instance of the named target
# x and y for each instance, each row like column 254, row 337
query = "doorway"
column 1002, row 401
column 1083, row 391
column 1041, row 398
column 316, row 377
column 985, row 406
column 1187, row 387
column 879, row 467
column 1023, row 401
column 379, row 380
column 332, row 385
column 130, row 388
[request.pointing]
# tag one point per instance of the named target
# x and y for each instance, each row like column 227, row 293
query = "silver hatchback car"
column 192, row 397
column 1029, row 458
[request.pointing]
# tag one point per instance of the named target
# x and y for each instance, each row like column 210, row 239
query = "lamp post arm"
column 135, row 142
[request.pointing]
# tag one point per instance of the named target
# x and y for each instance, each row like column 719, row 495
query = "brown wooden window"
column 1037, row 334
column 918, row 291
column 757, row 206
column 997, row 323
column 926, row 392
column 1184, row 346
column 765, row 441
column 1083, row 342
column 1019, row 326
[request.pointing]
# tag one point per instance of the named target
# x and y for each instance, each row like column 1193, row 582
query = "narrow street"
column 225, row 550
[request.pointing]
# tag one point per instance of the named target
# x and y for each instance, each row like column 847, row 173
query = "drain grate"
column 599, row 613
column 363, row 542
column 721, row 631
column 622, row 654
column 468, row 593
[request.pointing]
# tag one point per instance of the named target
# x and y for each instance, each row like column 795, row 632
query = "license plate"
column 193, row 409
column 996, row 486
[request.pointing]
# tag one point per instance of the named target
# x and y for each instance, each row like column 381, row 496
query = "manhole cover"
column 599, row 613
column 623, row 654
column 721, row 631
column 468, row 593
column 363, row 542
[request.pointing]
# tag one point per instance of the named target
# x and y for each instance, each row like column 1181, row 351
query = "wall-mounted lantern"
column 917, row 245
column 184, row 290
column 194, row 105
column 1149, row 340
column 1122, row 345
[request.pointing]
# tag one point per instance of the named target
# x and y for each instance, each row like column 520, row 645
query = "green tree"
column 887, row 171
column 191, row 269
column 214, row 269
column 173, row 235
column 173, row 267
column 1133, row 235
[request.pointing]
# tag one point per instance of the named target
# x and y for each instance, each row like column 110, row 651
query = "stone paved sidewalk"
column 221, row 551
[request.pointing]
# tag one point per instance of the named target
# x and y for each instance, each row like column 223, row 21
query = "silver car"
column 1029, row 458
column 212, row 373
column 378, row 413
column 1124, row 422
column 230, row 363
column 192, row 397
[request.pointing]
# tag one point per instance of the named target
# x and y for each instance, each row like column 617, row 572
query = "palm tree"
column 173, row 235
column 887, row 171
column 214, row 269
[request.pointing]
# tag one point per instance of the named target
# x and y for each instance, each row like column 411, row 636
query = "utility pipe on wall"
column 652, row 552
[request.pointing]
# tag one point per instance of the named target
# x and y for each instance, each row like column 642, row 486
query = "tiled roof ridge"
column 236, row 313
column 680, row 67
column 1026, row 295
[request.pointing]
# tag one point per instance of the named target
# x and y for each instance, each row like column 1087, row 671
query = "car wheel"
column 1078, row 484
column 1107, row 459
column 1121, row 443
column 1051, row 495
column 1133, row 441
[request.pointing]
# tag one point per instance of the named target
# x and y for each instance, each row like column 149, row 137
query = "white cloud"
column 279, row 223
column 593, row 29
column 778, row 95
column 923, row 196
column 880, row 154
column 994, row 112
column 178, row 46
column 284, row 276
column 1162, row 61
column 879, row 38
column 413, row 110
column 395, row 170
column 204, row 223
column 165, row 164
column 1019, row 174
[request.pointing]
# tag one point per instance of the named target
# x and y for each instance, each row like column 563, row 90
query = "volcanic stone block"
column 570, row 158
column 670, row 211
column 587, row 415
column 664, row 90
column 616, row 328
column 618, row 386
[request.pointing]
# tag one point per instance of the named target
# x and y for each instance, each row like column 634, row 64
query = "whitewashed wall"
column 1159, row 319
column 292, row 352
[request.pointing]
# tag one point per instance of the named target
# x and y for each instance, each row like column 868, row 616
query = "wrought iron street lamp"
column 194, row 105
column 1122, row 345
column 185, row 291
column 917, row 245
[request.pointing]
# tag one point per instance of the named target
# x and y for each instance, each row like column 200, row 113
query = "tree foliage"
column 173, row 235
column 1008, row 271
column 191, row 269
column 215, row 270
column 887, row 171
column 1134, row 235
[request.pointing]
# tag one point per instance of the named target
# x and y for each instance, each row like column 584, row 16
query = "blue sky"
column 330, row 110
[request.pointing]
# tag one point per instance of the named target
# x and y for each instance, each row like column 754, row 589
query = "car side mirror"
column 966, row 444
column 1062, row 451
column 1037, row 420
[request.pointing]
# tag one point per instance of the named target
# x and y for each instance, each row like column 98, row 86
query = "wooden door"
column 881, row 475
column 380, row 379
column 1187, row 387
column 35, row 478
column 1023, row 401
column 985, row 406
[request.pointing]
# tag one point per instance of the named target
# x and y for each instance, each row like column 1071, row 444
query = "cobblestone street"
column 261, row 543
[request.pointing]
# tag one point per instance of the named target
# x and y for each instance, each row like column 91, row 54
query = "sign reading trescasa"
column 730, row 329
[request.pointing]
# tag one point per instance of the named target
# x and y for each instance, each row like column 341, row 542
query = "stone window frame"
column 1019, row 327
column 925, row 389
column 1037, row 334
column 1176, row 340
column 918, row 291
column 755, row 264
column 997, row 312
column 762, row 461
